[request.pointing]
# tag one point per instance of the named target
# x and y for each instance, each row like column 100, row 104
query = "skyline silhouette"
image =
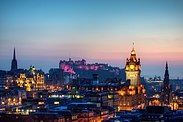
column 45, row 32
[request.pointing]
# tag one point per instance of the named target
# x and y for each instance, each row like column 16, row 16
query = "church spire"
column 166, row 71
column 166, row 93
column 14, row 62
column 14, row 55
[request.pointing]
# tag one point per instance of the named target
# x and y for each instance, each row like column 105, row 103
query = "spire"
column 166, row 70
column 14, row 62
column 133, row 50
column 14, row 56
column 166, row 88
column 166, row 65
column 166, row 76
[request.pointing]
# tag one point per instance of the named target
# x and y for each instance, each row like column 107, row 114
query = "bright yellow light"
column 56, row 102
column 40, row 103
column 175, row 106
column 28, row 88
column 127, row 67
column 2, row 103
column 16, row 110
column 133, row 52
column 109, row 96
column 78, row 96
column 131, row 66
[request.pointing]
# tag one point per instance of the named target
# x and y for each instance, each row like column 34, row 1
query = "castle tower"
column 14, row 62
column 166, row 91
column 133, row 69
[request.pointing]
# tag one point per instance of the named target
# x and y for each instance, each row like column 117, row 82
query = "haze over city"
column 45, row 32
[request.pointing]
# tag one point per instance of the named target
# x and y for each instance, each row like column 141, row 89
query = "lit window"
column 40, row 103
column 56, row 102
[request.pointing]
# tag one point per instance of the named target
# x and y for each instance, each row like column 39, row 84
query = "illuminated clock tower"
column 133, row 69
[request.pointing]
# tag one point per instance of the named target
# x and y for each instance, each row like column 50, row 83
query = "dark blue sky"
column 45, row 31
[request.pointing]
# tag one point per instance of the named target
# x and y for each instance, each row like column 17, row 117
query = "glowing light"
column 56, row 102
column 6, row 87
column 14, row 99
column 131, row 66
column 2, row 103
column 9, row 99
column 54, row 96
column 175, row 106
column 127, row 67
column 156, row 96
column 133, row 51
column 16, row 110
column 110, row 96
column 122, row 93
column 131, row 87
column 40, row 103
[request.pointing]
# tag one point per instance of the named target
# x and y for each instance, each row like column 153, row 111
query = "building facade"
column 31, row 80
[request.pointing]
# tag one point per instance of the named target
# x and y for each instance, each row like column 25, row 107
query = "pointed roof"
column 14, row 61
column 133, row 51
column 14, row 55
column 166, row 70
column 133, row 61
column 166, row 65
column 133, row 55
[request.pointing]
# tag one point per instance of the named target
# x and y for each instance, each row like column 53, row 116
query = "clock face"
column 131, row 66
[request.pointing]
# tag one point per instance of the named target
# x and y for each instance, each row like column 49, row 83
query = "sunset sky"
column 47, row 31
